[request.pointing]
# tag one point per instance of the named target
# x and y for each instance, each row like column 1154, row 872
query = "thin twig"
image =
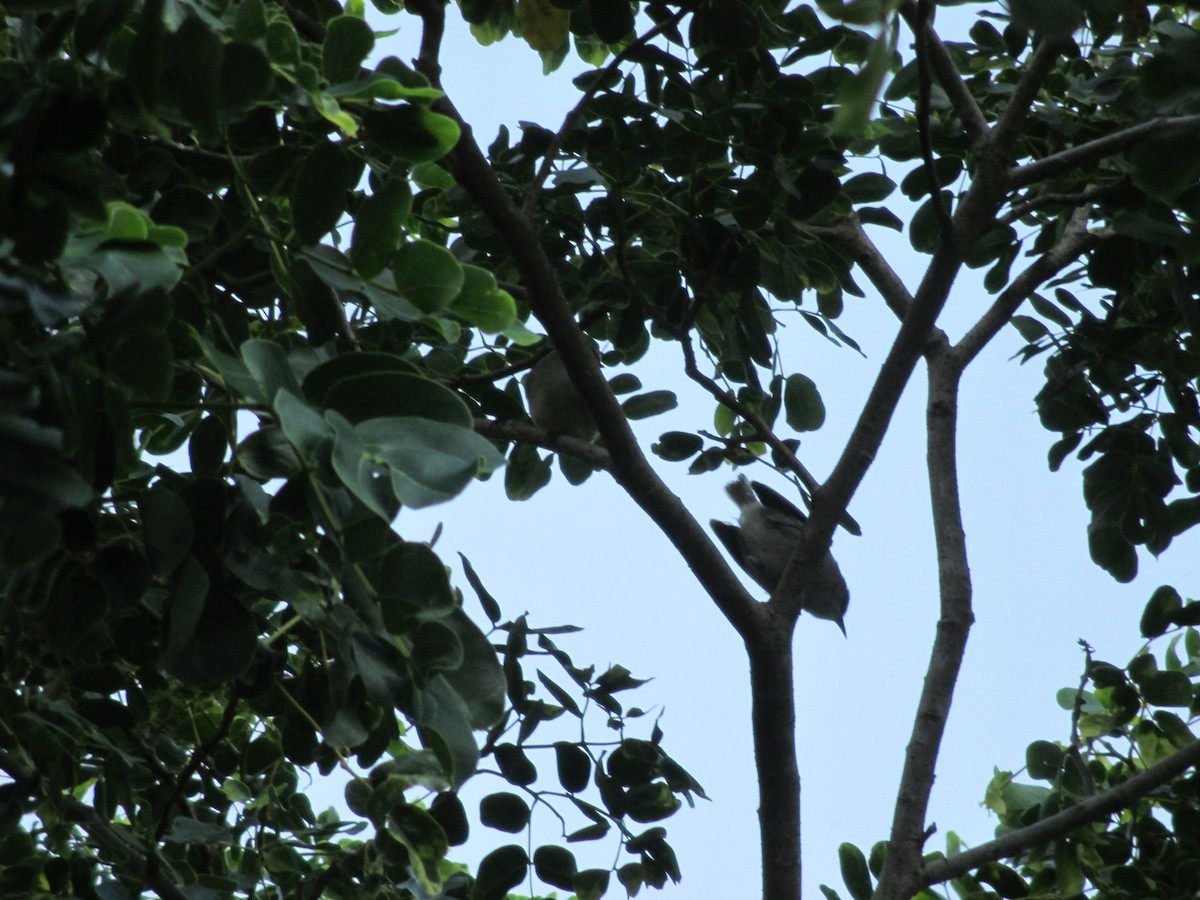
column 193, row 764
column 728, row 399
column 923, row 27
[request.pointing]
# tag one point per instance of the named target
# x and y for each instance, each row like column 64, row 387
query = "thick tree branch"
column 1075, row 240
column 773, row 712
column 522, row 433
column 905, row 846
column 949, row 78
column 1092, row 809
column 1093, row 151
column 470, row 168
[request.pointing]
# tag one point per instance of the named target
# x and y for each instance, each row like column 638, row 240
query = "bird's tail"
column 740, row 492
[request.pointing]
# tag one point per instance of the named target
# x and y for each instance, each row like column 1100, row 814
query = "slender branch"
column 923, row 28
column 1092, row 809
column 599, row 79
column 726, row 398
column 1075, row 240
column 521, row 433
column 849, row 234
column 193, row 764
column 1008, row 127
column 908, row 835
column 1093, row 151
column 949, row 78
column 1050, row 198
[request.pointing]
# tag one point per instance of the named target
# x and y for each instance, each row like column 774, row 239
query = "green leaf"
column 427, row 275
column 167, row 529
column 651, row 403
column 411, row 132
column 574, row 766
column 677, row 445
column 245, row 78
column 1044, row 760
column 855, row 874
column 504, row 811
column 413, row 584
column 803, row 407
column 379, row 225
column 1167, row 689
column 194, row 59
column 348, row 41
column 514, row 765
column 321, row 190
column 482, row 304
column 869, row 187
column 394, row 395
column 500, row 871
column 427, row 462
column 1165, row 603
column 555, row 866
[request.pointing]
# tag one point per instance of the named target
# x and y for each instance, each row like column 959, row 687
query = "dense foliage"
column 231, row 234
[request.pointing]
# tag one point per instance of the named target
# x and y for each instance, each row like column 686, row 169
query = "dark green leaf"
column 1165, row 603
column 652, row 403
column 555, row 866
column 804, row 409
column 348, row 40
column 504, row 811
column 500, row 871
column 321, row 191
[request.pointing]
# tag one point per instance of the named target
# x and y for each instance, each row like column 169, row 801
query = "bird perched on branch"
column 762, row 543
column 555, row 404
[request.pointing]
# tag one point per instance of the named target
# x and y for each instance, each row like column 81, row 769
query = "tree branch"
column 773, row 700
column 949, row 78
column 725, row 398
column 522, row 433
column 629, row 467
column 908, row 835
column 1092, row 809
column 850, row 235
column 1008, row 127
column 1092, row 151
column 923, row 28
column 1075, row 240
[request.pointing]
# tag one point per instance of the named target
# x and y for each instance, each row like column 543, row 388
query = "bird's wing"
column 731, row 537
column 774, row 500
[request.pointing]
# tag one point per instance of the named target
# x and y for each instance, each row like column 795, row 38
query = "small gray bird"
column 770, row 527
column 555, row 404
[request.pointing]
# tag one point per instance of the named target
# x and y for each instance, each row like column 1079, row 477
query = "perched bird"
column 555, row 404
column 770, row 527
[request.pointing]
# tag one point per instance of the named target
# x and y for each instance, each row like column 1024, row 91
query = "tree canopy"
column 261, row 287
